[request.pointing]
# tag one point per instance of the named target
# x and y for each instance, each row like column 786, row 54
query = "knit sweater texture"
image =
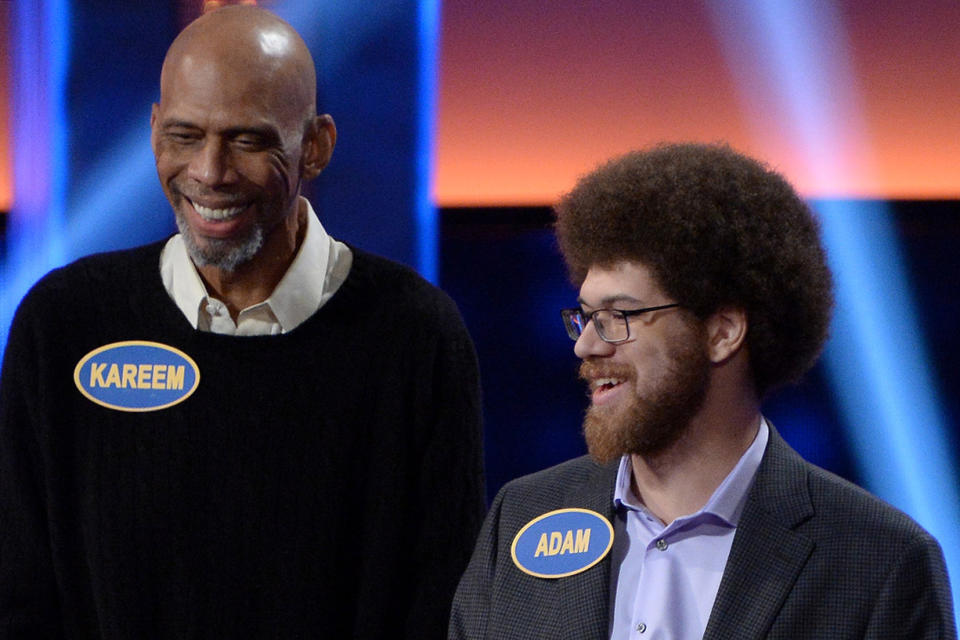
column 323, row 483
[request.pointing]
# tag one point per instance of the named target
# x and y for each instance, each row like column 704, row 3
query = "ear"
column 318, row 142
column 726, row 333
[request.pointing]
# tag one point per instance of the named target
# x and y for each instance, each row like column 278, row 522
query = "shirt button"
column 641, row 628
column 662, row 544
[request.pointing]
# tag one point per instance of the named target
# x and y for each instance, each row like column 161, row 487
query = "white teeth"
column 600, row 382
column 216, row 214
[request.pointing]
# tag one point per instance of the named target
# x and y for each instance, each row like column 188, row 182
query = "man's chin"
column 226, row 255
column 610, row 435
column 229, row 259
column 604, row 435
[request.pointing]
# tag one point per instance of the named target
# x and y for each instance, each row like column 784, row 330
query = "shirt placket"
column 649, row 604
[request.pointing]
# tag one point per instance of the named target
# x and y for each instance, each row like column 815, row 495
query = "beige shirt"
column 318, row 270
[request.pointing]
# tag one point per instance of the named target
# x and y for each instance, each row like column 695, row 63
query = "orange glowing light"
column 210, row 5
column 533, row 95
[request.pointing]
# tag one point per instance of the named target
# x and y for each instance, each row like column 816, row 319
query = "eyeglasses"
column 611, row 324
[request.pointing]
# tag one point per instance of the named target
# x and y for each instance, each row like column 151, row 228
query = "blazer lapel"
column 587, row 593
column 767, row 555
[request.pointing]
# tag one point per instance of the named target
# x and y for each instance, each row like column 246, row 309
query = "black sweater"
column 324, row 483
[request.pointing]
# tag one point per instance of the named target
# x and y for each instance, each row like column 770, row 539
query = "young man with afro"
column 703, row 287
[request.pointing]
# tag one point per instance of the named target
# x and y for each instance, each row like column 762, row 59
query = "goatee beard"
column 222, row 254
column 657, row 416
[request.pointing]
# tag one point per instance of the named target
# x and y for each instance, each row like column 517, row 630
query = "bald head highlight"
column 249, row 41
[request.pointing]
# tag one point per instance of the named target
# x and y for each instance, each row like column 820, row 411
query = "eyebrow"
column 611, row 300
column 172, row 124
column 267, row 133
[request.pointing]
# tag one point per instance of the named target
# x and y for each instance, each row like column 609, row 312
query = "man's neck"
column 679, row 481
column 254, row 281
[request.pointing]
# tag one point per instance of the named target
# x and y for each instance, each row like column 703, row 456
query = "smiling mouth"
column 604, row 384
column 603, row 390
column 605, row 381
column 216, row 215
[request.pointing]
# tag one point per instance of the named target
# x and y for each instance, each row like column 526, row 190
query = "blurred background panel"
column 6, row 172
column 534, row 94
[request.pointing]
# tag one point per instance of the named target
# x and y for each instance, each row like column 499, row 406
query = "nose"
column 590, row 344
column 210, row 164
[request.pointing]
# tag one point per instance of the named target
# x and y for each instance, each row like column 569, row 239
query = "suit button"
column 641, row 627
column 662, row 544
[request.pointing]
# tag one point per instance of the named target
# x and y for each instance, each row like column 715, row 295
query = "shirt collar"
column 295, row 298
column 727, row 500
column 299, row 292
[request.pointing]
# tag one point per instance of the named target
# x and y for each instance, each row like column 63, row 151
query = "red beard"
column 656, row 416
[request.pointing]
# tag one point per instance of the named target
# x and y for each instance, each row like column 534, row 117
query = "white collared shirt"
column 316, row 273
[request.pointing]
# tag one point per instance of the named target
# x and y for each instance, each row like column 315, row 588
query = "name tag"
column 562, row 543
column 136, row 375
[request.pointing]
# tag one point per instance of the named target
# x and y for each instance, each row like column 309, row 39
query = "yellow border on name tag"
column 516, row 538
column 136, row 343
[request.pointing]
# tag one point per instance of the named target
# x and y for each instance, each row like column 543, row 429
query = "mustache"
column 227, row 198
column 591, row 370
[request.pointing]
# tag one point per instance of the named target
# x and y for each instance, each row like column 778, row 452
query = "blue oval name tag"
column 136, row 376
column 562, row 543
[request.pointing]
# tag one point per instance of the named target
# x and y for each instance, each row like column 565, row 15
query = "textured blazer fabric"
column 814, row 557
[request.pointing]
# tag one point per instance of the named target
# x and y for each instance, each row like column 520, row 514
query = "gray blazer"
column 813, row 557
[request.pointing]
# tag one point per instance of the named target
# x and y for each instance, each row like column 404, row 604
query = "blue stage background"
column 504, row 270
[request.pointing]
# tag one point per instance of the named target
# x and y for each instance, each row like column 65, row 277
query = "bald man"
column 249, row 429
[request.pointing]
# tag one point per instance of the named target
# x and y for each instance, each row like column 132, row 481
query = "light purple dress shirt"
column 665, row 578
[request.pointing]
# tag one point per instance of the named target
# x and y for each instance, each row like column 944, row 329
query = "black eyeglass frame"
column 571, row 327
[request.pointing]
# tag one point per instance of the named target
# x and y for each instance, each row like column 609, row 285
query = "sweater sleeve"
column 471, row 603
column 450, row 485
column 29, row 606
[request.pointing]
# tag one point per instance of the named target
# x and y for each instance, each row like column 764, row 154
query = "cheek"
column 649, row 367
column 646, row 358
column 169, row 160
column 271, row 172
column 287, row 168
column 165, row 172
